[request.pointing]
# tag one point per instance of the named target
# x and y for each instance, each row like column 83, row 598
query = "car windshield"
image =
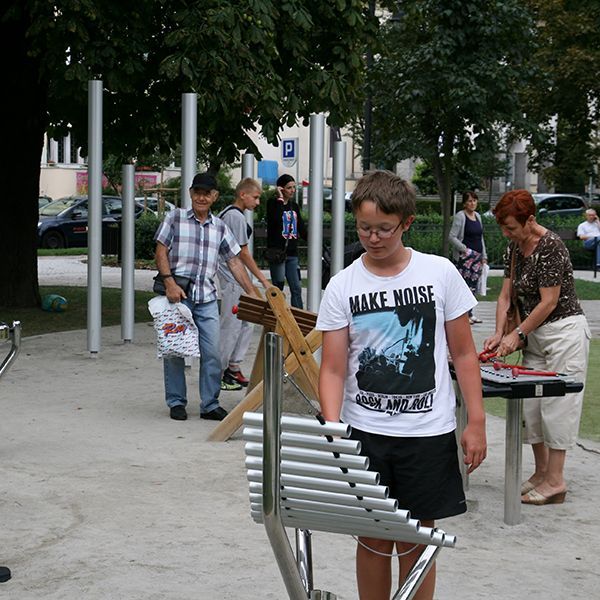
column 56, row 207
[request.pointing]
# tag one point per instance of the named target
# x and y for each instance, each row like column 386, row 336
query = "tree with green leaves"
column 566, row 101
column 255, row 65
column 445, row 83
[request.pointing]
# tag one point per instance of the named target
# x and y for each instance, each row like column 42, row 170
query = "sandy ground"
column 102, row 496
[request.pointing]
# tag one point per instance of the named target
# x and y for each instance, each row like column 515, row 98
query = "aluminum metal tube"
column 301, row 425
column 189, row 134
column 347, row 461
column 338, row 208
column 315, row 211
column 248, row 169
column 513, row 461
column 326, row 485
column 273, row 382
column 128, row 253
column 417, row 574
column 12, row 333
column 397, row 516
column 304, row 558
column 303, row 440
column 308, row 470
column 330, row 497
column 461, row 423
column 379, row 530
column 94, row 265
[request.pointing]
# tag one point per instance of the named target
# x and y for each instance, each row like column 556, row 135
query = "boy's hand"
column 474, row 445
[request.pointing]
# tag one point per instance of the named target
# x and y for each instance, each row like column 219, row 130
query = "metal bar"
column 313, row 456
column 12, row 333
column 369, row 528
column 338, row 208
column 128, row 254
column 513, row 462
column 343, row 510
column 301, row 425
column 270, row 497
column 313, row 442
column 189, row 134
column 94, row 266
column 461, row 423
column 248, row 162
column 315, row 483
column 308, row 470
column 416, row 575
column 315, row 211
column 286, row 492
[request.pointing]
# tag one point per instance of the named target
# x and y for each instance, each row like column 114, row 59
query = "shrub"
column 145, row 228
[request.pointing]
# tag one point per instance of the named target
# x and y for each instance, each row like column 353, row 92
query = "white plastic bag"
column 482, row 283
column 176, row 332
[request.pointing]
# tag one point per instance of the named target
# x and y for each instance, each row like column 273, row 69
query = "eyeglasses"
column 382, row 234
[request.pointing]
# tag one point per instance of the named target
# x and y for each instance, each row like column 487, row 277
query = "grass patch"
column 62, row 251
column 35, row 321
column 585, row 290
column 590, row 417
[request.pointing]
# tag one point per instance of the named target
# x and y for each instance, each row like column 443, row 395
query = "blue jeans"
column 290, row 270
column 206, row 317
column 591, row 244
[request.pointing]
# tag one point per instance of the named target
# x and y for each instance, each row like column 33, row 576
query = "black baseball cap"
column 204, row 181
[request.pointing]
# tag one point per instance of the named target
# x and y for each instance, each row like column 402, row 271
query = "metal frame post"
column 189, row 134
column 273, row 384
column 248, row 170
column 513, row 461
column 94, row 266
column 338, row 208
column 127, row 253
column 315, row 210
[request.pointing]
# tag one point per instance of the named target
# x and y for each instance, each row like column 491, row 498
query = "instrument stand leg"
column 304, row 558
column 513, row 461
column 420, row 569
column 461, row 423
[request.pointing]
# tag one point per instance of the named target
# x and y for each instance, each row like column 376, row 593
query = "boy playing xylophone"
column 387, row 320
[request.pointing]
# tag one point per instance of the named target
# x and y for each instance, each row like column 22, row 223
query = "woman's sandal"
column 526, row 487
column 537, row 499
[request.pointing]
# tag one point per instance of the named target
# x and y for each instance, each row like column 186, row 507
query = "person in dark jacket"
column 284, row 226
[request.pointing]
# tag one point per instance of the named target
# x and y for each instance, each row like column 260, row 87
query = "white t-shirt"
column 588, row 229
column 398, row 382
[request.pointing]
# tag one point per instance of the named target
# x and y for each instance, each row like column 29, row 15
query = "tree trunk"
column 24, row 126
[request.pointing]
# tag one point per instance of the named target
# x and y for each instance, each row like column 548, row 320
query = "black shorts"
column 421, row 472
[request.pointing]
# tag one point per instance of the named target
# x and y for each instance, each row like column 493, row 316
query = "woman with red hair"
column 553, row 333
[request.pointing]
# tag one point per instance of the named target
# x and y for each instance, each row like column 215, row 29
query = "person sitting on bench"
column 589, row 232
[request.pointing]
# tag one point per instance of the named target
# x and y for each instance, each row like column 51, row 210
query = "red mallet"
column 234, row 309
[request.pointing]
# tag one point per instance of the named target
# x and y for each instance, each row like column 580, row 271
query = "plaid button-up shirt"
column 195, row 248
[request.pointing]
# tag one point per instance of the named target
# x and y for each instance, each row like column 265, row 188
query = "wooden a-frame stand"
column 296, row 326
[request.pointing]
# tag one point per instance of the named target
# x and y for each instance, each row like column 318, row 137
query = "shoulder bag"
column 513, row 317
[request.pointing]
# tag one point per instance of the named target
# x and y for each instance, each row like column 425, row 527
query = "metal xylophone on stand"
column 515, row 386
column 10, row 333
column 303, row 475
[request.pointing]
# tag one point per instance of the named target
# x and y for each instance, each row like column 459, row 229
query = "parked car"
column 64, row 222
column 328, row 195
column 151, row 203
column 559, row 205
column 43, row 200
column 555, row 205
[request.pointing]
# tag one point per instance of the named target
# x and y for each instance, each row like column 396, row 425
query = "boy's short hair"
column 391, row 194
column 247, row 185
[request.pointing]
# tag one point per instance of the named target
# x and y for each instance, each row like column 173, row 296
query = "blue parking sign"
column 289, row 151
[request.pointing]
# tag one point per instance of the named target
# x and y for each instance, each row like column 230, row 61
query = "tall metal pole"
column 189, row 129
column 127, row 253
column 94, row 266
column 368, row 107
column 248, row 170
column 315, row 210
column 338, row 207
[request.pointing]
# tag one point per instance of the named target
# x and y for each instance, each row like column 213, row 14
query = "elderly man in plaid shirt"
column 189, row 243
